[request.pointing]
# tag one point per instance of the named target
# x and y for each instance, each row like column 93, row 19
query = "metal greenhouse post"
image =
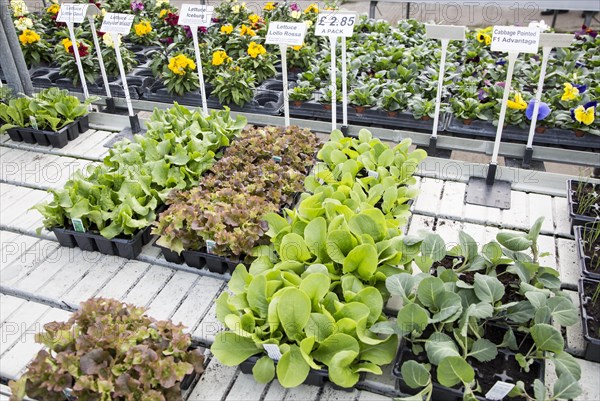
column 11, row 56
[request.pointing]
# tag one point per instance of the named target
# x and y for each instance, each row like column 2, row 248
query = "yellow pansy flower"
column 226, row 29
column 143, row 28
column 585, row 114
column 269, row 6
column 298, row 48
column 219, row 57
column 313, row 8
column 255, row 50
column 180, row 63
column 162, row 13
column 254, row 18
column 23, row 23
column 160, row 3
column 295, row 14
column 28, row 37
column 571, row 92
column 518, row 103
column 236, row 9
column 246, row 30
column 53, row 9
column 67, row 43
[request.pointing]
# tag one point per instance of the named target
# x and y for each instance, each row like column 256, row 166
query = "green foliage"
column 108, row 350
column 120, row 196
column 51, row 108
column 228, row 204
column 234, row 86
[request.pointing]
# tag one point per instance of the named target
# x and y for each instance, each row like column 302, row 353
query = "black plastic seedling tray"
column 128, row 248
column 592, row 344
column 578, row 219
column 58, row 139
column 314, row 378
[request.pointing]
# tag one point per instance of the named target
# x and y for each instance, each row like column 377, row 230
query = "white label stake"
column 547, row 42
column 335, row 24
column 115, row 24
column 513, row 40
column 100, row 58
column 444, row 33
column 285, row 34
column 71, row 14
column 333, row 44
column 195, row 16
column 344, row 84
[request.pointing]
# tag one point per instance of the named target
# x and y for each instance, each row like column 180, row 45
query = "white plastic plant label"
column 450, row 32
column 273, row 351
column 210, row 246
column 117, row 23
column 70, row 12
column 195, row 15
column 286, row 33
column 499, row 391
column 277, row 159
column 335, row 23
column 514, row 39
column 373, row 174
column 78, row 225
column 33, row 122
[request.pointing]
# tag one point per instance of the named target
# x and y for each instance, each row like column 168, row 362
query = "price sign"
column 335, row 23
column 72, row 13
column 286, row 33
column 117, row 23
column 511, row 39
column 195, row 15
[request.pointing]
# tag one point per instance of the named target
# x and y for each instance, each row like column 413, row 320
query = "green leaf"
column 362, row 260
column 412, row 317
column 547, row 338
column 514, row 241
column 316, row 286
column 454, row 370
column 264, row 370
column 483, row 350
column 534, row 231
column 400, row 284
column 537, row 298
column 468, row 245
column 371, row 222
column 293, row 311
column 294, row 248
column 292, row 369
column 231, row 349
column 566, row 387
column 428, row 290
column 566, row 363
column 440, row 346
column 334, row 344
column 563, row 311
column 433, row 247
column 539, row 390
column 488, row 288
column 315, row 235
column 339, row 244
column 416, row 375
column 319, row 326
column 340, row 371
column 257, row 295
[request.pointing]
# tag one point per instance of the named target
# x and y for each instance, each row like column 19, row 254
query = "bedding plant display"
column 119, row 198
column 260, row 172
column 111, row 351
column 473, row 313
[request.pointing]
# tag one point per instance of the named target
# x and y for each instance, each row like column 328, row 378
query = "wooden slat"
column 214, row 383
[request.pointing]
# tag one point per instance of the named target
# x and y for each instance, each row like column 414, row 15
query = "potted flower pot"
column 359, row 109
column 467, row 121
column 579, row 133
column 327, row 106
column 392, row 113
column 298, row 103
column 425, row 118
column 590, row 315
column 540, row 130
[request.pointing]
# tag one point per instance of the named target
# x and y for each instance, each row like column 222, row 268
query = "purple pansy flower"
column 501, row 62
column 294, row 7
column 482, row 95
column 581, row 88
column 215, row 20
column 543, row 112
column 137, row 5
column 167, row 40
column 501, row 84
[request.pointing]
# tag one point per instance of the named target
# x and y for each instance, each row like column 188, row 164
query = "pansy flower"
column 585, row 114
column 543, row 111
column 518, row 103
column 571, row 92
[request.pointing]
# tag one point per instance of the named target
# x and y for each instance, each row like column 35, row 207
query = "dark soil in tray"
column 592, row 308
column 510, row 281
